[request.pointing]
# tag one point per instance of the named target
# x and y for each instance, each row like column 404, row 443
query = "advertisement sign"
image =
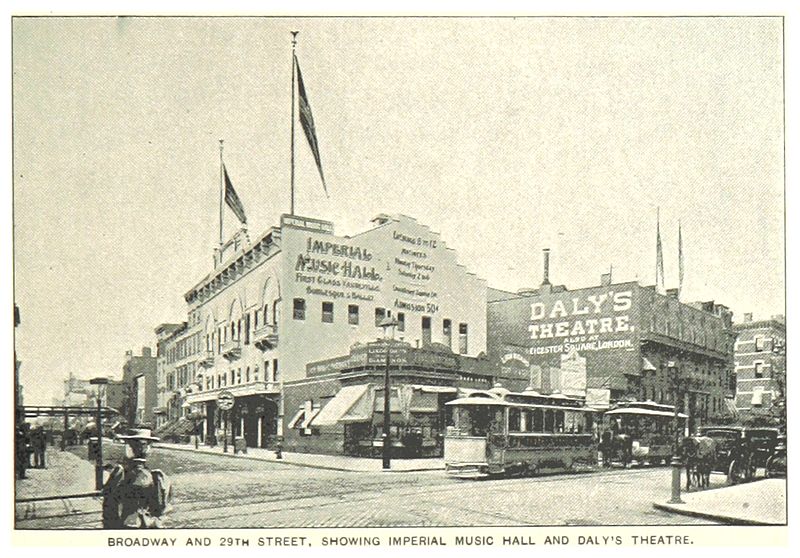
column 586, row 322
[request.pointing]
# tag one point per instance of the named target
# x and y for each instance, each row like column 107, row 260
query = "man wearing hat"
column 134, row 497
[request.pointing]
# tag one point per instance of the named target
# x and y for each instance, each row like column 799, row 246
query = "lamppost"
column 676, row 460
column 386, row 324
column 98, row 458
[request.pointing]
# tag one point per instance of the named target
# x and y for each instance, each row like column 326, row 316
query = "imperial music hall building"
column 616, row 342
column 299, row 294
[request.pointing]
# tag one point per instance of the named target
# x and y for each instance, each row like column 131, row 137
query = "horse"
column 606, row 447
column 623, row 448
column 699, row 453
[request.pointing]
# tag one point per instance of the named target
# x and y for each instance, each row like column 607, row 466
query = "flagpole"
column 658, row 242
column 221, row 196
column 680, row 260
column 294, row 44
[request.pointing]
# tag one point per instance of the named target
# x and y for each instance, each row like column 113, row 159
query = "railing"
column 206, row 359
column 266, row 337
column 232, row 349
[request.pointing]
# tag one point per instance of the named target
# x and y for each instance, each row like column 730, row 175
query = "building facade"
column 177, row 353
column 139, row 377
column 615, row 342
column 300, row 294
column 760, row 358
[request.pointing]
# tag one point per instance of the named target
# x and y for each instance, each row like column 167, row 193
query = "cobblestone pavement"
column 216, row 492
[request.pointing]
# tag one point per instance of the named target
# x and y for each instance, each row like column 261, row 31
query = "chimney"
column 605, row 279
column 673, row 293
column 146, row 352
column 748, row 317
column 128, row 355
column 546, row 278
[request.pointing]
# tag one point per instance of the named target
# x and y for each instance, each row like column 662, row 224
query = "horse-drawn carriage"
column 740, row 451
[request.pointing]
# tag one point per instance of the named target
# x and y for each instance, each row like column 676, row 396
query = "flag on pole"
column 680, row 260
column 307, row 122
column 232, row 199
column 659, row 258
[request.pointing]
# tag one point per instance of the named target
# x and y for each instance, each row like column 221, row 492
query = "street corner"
column 761, row 502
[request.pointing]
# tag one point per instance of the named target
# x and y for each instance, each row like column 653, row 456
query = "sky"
column 504, row 135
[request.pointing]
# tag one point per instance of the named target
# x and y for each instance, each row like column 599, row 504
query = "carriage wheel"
column 735, row 472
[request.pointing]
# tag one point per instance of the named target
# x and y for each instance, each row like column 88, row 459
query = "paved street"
column 214, row 491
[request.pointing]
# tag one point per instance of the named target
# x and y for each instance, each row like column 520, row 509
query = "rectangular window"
column 352, row 314
column 401, row 321
column 462, row 339
column 514, row 420
column 266, row 372
column 426, row 330
column 327, row 312
column 247, row 375
column 758, row 369
column 447, row 332
column 247, row 329
column 239, row 376
column 380, row 314
column 275, row 370
column 299, row 309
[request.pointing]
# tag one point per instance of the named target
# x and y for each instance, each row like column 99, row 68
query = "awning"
column 297, row 418
column 647, row 365
column 648, row 412
column 341, row 404
column 308, row 418
column 424, row 401
column 437, row 389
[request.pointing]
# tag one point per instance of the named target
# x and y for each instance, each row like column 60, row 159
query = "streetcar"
column 498, row 432
column 640, row 431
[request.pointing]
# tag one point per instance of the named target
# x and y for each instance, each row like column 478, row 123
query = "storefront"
column 342, row 412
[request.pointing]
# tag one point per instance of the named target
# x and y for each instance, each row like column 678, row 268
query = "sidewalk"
column 66, row 473
column 317, row 461
column 761, row 502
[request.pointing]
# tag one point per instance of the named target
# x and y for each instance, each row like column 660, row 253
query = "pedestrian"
column 39, row 444
column 136, row 497
column 21, row 453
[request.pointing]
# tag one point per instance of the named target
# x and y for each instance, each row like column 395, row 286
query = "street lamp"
column 387, row 324
column 676, row 460
column 98, row 458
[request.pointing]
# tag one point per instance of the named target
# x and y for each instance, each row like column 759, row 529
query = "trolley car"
column 498, row 432
column 642, row 431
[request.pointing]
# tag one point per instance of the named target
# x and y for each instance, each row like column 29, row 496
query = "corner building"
column 617, row 339
column 760, row 364
column 299, row 294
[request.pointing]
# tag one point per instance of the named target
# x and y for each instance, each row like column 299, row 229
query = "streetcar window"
column 514, row 420
column 529, row 427
column 538, row 420
column 573, row 423
column 549, row 421
column 479, row 421
column 559, row 426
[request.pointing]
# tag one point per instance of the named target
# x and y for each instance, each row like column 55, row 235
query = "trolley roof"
column 643, row 412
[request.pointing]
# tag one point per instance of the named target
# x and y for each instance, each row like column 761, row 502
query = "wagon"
column 741, row 451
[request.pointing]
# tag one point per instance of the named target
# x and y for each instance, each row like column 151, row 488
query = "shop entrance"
column 257, row 420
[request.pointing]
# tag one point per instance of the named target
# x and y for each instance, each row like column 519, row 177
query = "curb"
column 292, row 463
column 707, row 515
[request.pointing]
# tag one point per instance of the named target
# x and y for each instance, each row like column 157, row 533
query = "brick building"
column 760, row 358
column 622, row 339
column 139, row 377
